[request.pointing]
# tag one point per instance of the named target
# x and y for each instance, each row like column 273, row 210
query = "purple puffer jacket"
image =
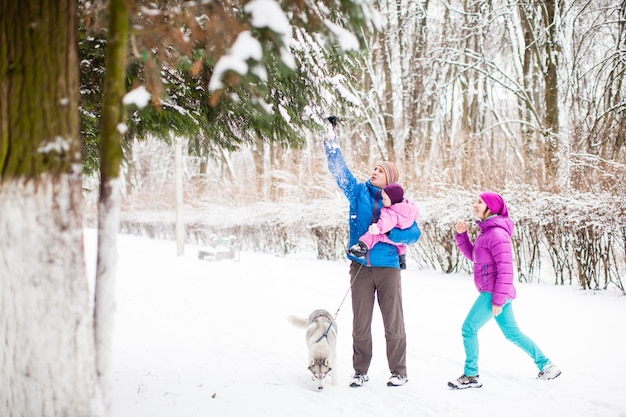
column 492, row 256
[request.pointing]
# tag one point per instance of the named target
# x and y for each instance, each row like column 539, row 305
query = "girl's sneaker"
column 465, row 381
column 551, row 371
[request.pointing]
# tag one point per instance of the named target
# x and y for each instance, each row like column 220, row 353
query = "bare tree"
column 492, row 94
column 596, row 72
column 550, row 10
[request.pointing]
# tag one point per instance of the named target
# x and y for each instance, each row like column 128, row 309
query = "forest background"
column 525, row 98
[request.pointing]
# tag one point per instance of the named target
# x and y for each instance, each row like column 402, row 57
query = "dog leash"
column 344, row 297
column 325, row 335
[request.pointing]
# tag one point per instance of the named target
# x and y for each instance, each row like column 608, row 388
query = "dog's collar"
column 322, row 314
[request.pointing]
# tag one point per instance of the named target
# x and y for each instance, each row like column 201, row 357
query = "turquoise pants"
column 480, row 314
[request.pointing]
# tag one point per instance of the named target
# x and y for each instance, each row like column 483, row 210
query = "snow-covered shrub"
column 580, row 234
column 437, row 248
column 330, row 241
column 574, row 239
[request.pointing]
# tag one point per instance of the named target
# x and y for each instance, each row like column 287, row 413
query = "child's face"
column 386, row 200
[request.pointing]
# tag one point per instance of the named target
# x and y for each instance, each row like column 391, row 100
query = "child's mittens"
column 373, row 229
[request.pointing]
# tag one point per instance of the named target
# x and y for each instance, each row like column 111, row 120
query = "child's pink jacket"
column 400, row 215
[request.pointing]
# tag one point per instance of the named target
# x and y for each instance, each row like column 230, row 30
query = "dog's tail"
column 298, row 321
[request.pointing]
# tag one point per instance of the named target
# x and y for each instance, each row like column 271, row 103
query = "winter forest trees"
column 479, row 94
column 464, row 95
column 524, row 97
column 55, row 325
column 490, row 94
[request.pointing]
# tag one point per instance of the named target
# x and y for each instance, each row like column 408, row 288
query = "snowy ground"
column 201, row 338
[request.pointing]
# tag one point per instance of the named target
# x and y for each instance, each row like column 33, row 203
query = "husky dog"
column 321, row 339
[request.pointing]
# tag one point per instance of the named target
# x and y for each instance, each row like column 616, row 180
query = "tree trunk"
column 47, row 362
column 47, row 366
column 551, row 120
column 526, row 105
column 109, row 202
column 178, row 175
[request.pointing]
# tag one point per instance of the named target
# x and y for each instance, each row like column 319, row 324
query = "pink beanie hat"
column 495, row 203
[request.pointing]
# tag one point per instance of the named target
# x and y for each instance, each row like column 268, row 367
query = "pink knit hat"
column 495, row 203
column 391, row 171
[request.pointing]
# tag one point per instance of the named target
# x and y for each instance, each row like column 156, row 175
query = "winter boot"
column 359, row 249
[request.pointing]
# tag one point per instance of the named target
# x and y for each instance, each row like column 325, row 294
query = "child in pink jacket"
column 397, row 212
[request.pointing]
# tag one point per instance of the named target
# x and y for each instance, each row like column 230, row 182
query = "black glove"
column 403, row 261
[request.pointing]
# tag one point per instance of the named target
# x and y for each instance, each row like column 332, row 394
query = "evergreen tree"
column 175, row 54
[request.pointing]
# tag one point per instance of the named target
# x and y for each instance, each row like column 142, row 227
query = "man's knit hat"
column 395, row 192
column 391, row 171
column 495, row 203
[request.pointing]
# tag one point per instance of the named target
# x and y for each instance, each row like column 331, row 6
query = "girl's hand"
column 373, row 229
column 496, row 310
column 461, row 226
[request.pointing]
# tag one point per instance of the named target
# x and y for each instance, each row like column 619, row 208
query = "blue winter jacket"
column 365, row 204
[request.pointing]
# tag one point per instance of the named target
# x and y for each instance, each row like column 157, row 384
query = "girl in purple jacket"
column 492, row 256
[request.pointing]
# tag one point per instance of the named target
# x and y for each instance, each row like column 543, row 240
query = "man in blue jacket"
column 378, row 274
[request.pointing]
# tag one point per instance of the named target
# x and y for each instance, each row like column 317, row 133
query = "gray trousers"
column 383, row 284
